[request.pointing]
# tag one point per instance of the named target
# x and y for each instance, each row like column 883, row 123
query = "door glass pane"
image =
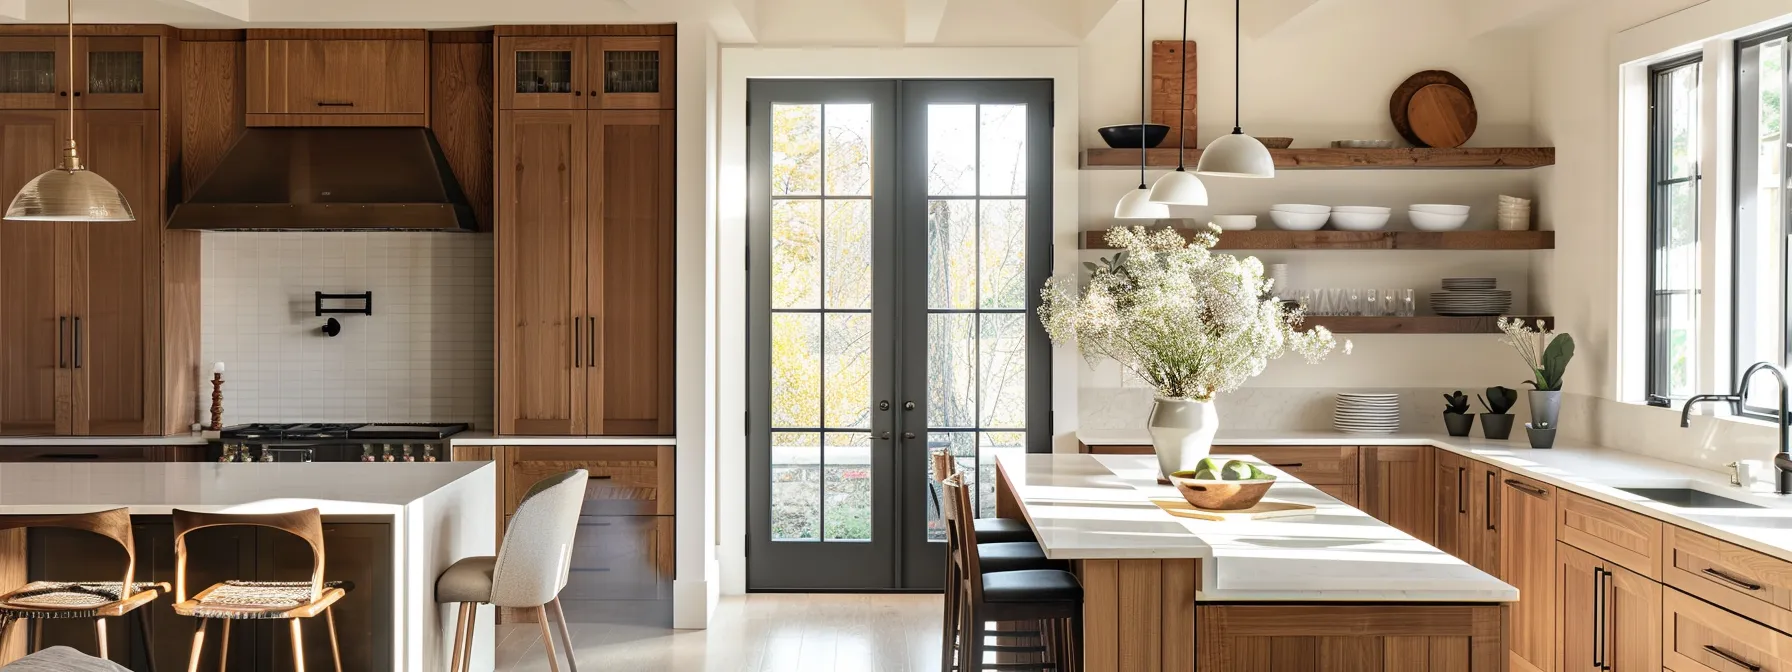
column 849, row 150
column 115, row 72
column 990, row 445
column 796, row 149
column 1002, row 144
column 544, row 72
column 951, row 370
column 1002, row 253
column 796, row 253
column 848, row 254
column 796, row 486
column 27, row 72
column 951, row 254
column 796, row 370
column 963, row 447
column 848, row 500
column 951, row 150
column 631, row 72
column 848, row 369
column 1002, row 365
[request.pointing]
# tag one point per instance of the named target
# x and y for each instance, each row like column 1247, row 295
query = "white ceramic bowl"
column 1235, row 222
column 1303, row 209
column 1440, row 209
column 1431, row 221
column 1347, row 220
column 1298, row 221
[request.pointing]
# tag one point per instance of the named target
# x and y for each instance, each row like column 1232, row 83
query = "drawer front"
column 625, row 480
column 1730, row 576
column 1699, row 637
column 1624, row 537
column 621, row 558
column 1316, row 465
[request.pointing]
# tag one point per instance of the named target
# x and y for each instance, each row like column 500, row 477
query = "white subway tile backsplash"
column 425, row 355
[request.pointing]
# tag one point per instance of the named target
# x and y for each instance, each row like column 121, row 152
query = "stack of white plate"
column 1367, row 413
column 1515, row 213
column 1466, row 297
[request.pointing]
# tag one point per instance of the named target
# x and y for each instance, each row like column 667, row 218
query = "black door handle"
column 1598, row 618
column 1528, row 489
column 1462, row 489
column 1488, row 513
column 591, row 341
column 1726, row 578
column 1726, row 655
column 61, row 351
column 77, row 347
column 575, row 342
column 324, row 103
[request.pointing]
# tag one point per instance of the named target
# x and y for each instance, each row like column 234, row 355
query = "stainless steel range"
column 334, row 442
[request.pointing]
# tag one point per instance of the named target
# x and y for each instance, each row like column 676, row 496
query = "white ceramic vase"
column 1182, row 432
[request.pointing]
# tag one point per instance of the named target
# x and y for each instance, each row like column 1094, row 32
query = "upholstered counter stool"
column 528, row 572
column 989, row 530
column 291, row 601
column 40, row 600
column 1051, row 597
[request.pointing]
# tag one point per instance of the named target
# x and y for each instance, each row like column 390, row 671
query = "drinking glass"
column 1371, row 303
column 1353, row 302
column 1390, row 302
column 1304, row 297
column 1408, row 304
column 1335, row 302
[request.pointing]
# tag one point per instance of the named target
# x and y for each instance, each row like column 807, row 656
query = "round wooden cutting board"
column 1441, row 116
column 1399, row 103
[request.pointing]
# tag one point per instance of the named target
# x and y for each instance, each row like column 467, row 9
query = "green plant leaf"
column 1555, row 362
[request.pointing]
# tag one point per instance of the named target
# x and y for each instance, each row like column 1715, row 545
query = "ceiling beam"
column 923, row 19
column 1265, row 16
column 235, row 10
column 735, row 21
column 1486, row 17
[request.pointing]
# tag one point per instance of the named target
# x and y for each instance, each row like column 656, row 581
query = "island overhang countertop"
column 1085, row 507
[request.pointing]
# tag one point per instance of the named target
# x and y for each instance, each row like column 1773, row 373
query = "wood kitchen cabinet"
column 1451, row 487
column 1527, row 529
column 1610, row 617
column 575, row 72
column 113, row 69
column 585, row 272
column 335, row 73
column 1397, row 486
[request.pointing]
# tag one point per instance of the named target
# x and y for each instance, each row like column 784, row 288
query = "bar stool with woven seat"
column 98, row 600
column 529, row 571
column 1052, row 597
column 291, row 601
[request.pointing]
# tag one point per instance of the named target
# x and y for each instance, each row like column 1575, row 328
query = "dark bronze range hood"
column 329, row 179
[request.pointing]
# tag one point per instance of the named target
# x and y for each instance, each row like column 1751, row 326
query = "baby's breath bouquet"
column 1190, row 322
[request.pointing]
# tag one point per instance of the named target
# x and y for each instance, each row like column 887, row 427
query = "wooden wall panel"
column 212, row 100
column 460, row 113
column 1167, row 89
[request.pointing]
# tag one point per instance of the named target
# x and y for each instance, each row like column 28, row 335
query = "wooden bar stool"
column 98, row 600
column 1052, row 597
column 988, row 529
column 999, row 552
column 529, row 571
column 229, row 601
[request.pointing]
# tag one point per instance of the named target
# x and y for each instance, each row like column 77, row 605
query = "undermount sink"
column 1688, row 498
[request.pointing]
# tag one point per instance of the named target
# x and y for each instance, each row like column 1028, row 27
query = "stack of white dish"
column 1367, row 413
column 1515, row 213
column 1299, row 217
column 1235, row 222
column 1360, row 217
column 1471, row 297
column 1434, row 217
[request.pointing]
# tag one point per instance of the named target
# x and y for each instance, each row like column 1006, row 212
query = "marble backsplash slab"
column 1277, row 408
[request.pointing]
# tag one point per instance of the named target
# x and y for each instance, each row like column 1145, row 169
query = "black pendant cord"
column 1182, row 103
column 1144, row 46
column 1237, row 63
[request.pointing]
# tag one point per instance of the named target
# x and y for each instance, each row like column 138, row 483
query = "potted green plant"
column 1496, row 423
column 1457, row 419
column 1191, row 323
column 1546, row 353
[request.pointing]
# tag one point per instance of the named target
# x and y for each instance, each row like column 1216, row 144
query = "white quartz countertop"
column 1593, row 471
column 188, row 439
column 1098, row 507
column 487, row 439
column 335, row 488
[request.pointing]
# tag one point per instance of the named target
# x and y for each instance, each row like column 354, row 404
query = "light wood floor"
column 751, row 633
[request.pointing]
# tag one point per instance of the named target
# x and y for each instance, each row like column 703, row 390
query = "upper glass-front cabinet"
column 110, row 73
column 585, row 73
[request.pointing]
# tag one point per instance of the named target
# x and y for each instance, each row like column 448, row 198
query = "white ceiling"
column 772, row 22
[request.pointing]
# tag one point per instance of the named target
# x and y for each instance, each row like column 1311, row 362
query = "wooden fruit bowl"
column 1220, row 495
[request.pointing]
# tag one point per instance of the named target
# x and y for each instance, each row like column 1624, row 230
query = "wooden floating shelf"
column 1331, row 158
column 1361, row 240
column 1422, row 324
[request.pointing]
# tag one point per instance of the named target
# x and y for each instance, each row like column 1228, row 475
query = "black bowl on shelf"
column 1126, row 136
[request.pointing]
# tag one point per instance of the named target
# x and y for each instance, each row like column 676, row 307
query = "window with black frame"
column 1673, row 228
column 1760, row 322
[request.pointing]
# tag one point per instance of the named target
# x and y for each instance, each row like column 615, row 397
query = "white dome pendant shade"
column 1179, row 187
column 1136, row 204
column 1236, row 155
column 70, row 193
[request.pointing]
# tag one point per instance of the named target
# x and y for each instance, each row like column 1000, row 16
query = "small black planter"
column 1496, row 426
column 1459, row 423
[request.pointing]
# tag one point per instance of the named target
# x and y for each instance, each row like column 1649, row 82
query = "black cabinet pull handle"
column 591, row 342
column 1598, row 618
column 1726, row 655
column 72, row 456
column 61, row 351
column 77, row 94
column 1726, row 578
column 324, row 103
column 575, row 343
column 1487, row 485
column 77, row 347
column 1605, row 619
column 1290, row 465
column 1527, row 488
column 600, row 478
column 576, row 92
column 1462, row 489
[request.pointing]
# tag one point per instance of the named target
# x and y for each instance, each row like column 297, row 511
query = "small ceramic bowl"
column 1440, row 209
column 1275, row 142
column 1432, row 221
column 1128, row 136
column 1235, row 222
column 1360, row 217
column 1220, row 495
column 1298, row 221
column 1303, row 208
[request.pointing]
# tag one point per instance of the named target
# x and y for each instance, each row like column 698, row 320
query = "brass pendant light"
column 71, row 193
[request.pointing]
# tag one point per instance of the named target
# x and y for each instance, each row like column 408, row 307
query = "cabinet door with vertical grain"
column 35, row 381
column 542, row 326
column 1452, row 503
column 1580, row 579
column 631, row 73
column 116, row 323
column 1482, row 535
column 1632, row 620
column 1397, row 488
column 631, row 282
column 1528, row 561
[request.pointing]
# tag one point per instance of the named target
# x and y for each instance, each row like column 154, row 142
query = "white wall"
column 425, row 355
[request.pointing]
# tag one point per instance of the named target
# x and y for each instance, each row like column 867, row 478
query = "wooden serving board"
column 1399, row 103
column 1264, row 509
column 1442, row 116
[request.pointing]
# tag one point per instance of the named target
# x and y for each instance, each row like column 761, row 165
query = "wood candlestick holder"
column 217, row 402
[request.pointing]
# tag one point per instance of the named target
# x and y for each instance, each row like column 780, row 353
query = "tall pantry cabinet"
column 585, row 230
column 98, row 320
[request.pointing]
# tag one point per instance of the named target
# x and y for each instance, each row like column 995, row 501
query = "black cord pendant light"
column 1181, row 187
column 1237, row 154
column 1136, row 204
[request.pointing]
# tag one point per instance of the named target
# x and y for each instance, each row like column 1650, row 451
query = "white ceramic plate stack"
column 1471, row 297
column 1367, row 413
column 1515, row 213
column 1299, row 216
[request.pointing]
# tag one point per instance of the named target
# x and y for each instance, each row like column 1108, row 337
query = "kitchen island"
column 1166, row 593
column 394, row 527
